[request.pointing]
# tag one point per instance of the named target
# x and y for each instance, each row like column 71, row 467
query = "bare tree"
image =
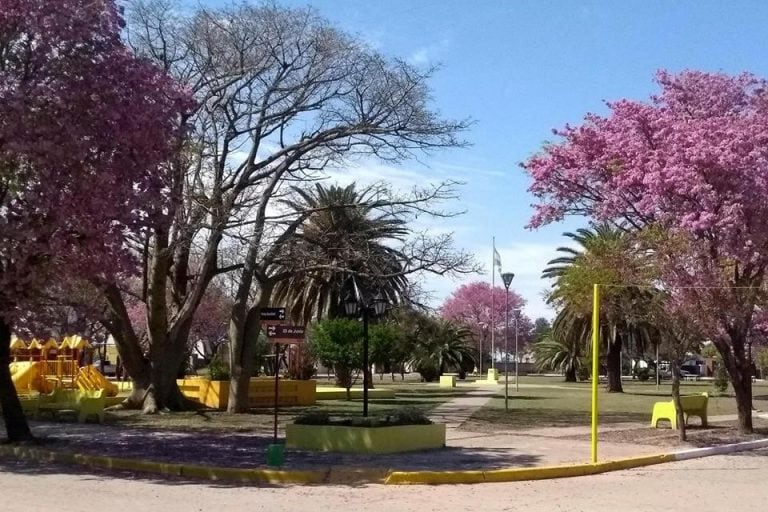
column 294, row 257
column 281, row 95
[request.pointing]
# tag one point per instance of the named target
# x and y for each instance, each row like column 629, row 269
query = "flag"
column 496, row 259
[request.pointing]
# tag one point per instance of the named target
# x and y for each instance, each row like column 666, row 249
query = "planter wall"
column 335, row 438
column 261, row 392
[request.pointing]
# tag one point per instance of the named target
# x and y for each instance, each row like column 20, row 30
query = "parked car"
column 110, row 370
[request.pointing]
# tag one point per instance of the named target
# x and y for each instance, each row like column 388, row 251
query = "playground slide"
column 91, row 379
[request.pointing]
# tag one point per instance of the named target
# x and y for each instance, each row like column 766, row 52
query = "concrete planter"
column 337, row 438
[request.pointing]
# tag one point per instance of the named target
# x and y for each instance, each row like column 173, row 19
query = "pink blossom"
column 85, row 131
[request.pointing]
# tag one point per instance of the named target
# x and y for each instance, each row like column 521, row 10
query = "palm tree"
column 604, row 249
column 552, row 352
column 442, row 345
column 347, row 234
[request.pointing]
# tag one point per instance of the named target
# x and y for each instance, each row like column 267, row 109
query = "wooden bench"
column 84, row 403
column 693, row 405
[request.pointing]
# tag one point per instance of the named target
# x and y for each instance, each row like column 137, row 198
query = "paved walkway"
column 455, row 412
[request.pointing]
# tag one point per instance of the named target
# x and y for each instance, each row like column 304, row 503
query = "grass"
column 550, row 402
column 415, row 395
column 542, row 402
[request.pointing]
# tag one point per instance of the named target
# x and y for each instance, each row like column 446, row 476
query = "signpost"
column 280, row 334
column 286, row 334
column 271, row 316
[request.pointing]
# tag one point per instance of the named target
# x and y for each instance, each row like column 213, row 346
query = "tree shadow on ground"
column 242, row 451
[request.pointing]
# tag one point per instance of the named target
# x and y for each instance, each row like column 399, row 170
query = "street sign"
column 286, row 333
column 272, row 314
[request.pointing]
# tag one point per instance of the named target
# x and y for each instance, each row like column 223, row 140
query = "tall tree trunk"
column 742, row 388
column 737, row 363
column 680, row 414
column 570, row 374
column 243, row 342
column 613, row 366
column 153, row 374
column 16, row 426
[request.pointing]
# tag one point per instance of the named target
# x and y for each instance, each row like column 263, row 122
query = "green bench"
column 693, row 405
column 84, row 403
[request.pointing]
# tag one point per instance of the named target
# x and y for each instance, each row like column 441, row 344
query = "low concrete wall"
column 261, row 392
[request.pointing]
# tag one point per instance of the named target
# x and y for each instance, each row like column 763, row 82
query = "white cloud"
column 430, row 54
column 526, row 260
column 420, row 57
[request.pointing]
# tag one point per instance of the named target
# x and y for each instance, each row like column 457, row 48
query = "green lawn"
column 424, row 397
column 550, row 402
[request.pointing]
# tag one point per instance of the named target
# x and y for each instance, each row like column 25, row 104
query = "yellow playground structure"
column 45, row 366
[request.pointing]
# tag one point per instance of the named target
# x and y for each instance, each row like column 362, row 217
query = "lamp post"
column 355, row 306
column 507, row 277
column 516, row 311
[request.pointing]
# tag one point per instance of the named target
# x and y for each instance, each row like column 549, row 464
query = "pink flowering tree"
column 483, row 311
column 690, row 166
column 83, row 128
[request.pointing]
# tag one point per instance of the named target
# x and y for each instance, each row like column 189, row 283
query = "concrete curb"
column 697, row 453
column 565, row 471
column 521, row 474
column 345, row 475
column 266, row 476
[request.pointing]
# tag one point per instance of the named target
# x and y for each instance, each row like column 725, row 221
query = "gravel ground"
column 248, row 450
column 711, row 484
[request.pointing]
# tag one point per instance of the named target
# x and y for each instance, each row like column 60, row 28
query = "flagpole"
column 493, row 304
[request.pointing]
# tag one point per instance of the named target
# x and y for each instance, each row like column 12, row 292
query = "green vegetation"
column 412, row 396
column 547, row 402
column 407, row 416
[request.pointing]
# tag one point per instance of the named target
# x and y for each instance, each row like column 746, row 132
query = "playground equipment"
column 45, row 366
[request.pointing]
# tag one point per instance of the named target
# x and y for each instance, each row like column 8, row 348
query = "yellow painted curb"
column 269, row 476
column 435, row 477
column 520, row 474
column 345, row 475
column 334, row 475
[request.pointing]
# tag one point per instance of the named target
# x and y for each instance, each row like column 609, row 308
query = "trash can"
column 275, row 454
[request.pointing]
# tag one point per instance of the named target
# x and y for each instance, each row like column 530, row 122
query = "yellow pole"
column 595, row 376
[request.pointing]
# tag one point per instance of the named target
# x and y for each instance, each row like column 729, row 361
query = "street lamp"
column 507, row 277
column 516, row 311
column 355, row 306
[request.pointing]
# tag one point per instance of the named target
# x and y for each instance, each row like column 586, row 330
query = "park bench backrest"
column 694, row 401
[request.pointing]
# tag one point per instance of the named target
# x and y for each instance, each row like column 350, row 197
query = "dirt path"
column 706, row 485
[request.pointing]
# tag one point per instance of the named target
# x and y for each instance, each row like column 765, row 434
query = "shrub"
column 405, row 416
column 313, row 418
column 429, row 371
column 217, row 370
column 584, row 371
column 721, row 378
column 643, row 374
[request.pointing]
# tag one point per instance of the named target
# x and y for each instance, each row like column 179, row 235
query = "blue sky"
column 521, row 68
